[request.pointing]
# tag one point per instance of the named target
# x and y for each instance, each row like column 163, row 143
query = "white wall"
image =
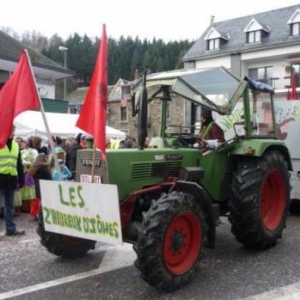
column 282, row 52
column 46, row 91
column 46, row 86
column 276, row 58
column 214, row 62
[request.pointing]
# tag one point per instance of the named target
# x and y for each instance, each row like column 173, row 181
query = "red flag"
column 292, row 94
column 294, row 88
column 92, row 118
column 17, row 95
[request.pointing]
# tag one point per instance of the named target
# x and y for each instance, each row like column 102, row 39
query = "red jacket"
column 214, row 132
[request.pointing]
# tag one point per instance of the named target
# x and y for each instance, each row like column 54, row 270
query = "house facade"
column 45, row 70
column 121, row 116
column 263, row 46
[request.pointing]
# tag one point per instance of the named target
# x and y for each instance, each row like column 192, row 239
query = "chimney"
column 212, row 18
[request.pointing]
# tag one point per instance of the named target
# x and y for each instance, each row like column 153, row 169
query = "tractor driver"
column 211, row 134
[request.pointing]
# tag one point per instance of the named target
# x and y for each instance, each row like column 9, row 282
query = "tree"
column 125, row 55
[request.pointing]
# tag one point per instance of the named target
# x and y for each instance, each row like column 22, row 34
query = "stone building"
column 119, row 112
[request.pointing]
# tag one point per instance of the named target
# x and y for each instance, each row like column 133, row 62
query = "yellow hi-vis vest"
column 9, row 159
column 114, row 144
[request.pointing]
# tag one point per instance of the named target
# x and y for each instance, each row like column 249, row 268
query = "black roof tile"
column 10, row 49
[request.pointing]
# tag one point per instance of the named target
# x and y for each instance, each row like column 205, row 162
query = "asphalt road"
column 28, row 271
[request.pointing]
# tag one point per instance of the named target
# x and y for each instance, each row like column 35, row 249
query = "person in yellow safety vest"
column 112, row 143
column 11, row 178
column 211, row 134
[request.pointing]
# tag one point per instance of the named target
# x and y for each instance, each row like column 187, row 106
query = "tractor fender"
column 258, row 147
column 203, row 199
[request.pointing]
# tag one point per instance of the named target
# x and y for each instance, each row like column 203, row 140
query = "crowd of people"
column 23, row 162
column 33, row 161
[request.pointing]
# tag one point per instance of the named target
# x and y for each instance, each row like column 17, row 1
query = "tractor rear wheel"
column 260, row 200
column 62, row 245
column 170, row 241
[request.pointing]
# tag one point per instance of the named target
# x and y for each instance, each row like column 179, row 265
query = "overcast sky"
column 170, row 20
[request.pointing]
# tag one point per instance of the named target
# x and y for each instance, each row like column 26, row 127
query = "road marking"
column 119, row 257
column 289, row 292
column 30, row 240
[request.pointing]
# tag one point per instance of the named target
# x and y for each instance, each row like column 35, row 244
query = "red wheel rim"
column 182, row 242
column 273, row 200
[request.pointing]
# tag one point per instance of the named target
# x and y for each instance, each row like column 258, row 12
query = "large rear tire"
column 260, row 200
column 170, row 241
column 62, row 245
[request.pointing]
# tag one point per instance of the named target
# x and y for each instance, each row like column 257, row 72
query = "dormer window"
column 295, row 29
column 294, row 23
column 213, row 44
column 253, row 37
column 255, row 32
column 215, row 39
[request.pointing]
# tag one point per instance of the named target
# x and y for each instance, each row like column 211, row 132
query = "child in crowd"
column 65, row 172
column 39, row 170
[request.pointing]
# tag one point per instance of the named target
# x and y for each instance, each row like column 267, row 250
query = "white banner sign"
column 85, row 210
column 287, row 118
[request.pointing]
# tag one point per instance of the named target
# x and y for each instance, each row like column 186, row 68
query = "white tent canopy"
column 31, row 123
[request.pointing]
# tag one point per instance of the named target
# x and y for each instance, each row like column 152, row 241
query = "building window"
column 263, row 74
column 213, row 44
column 253, row 37
column 123, row 114
column 295, row 28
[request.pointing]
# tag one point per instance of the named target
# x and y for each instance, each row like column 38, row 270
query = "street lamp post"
column 64, row 49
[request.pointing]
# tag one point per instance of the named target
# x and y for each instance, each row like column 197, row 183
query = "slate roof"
column 274, row 20
column 77, row 97
column 10, row 50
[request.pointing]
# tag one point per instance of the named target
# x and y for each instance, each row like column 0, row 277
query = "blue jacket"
column 65, row 172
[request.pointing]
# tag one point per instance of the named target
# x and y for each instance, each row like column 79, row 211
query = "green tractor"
column 172, row 194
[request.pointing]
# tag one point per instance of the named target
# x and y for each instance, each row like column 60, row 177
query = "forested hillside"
column 124, row 55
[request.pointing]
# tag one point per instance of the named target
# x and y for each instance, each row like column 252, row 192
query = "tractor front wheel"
column 260, row 200
column 63, row 245
column 170, row 241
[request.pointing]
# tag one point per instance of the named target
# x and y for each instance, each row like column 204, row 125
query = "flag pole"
column 44, row 119
column 93, row 164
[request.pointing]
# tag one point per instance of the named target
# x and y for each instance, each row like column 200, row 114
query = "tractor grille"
column 84, row 165
column 157, row 169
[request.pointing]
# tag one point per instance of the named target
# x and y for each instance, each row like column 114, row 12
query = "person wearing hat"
column 28, row 155
column 64, row 174
column 211, row 134
column 11, row 176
